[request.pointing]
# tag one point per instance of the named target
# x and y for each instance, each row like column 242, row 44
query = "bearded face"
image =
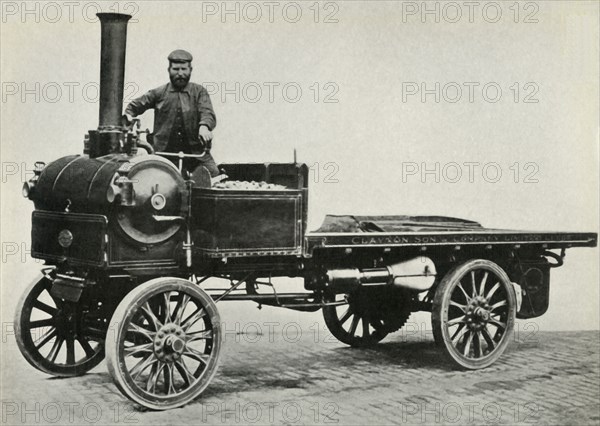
column 180, row 74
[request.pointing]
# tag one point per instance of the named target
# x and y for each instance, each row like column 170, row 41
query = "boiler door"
column 158, row 191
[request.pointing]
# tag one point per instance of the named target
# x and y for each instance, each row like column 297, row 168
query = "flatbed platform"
column 410, row 231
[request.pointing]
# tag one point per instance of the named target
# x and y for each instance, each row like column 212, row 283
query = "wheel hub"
column 478, row 313
column 169, row 342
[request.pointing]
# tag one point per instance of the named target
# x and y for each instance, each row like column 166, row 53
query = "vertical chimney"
column 112, row 75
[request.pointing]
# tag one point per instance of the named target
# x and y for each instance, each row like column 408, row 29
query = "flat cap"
column 180, row 56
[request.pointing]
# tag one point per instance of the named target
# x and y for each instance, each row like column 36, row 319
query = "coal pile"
column 245, row 185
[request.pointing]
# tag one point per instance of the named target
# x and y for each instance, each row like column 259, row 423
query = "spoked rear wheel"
column 473, row 313
column 368, row 316
column 51, row 333
column 166, row 343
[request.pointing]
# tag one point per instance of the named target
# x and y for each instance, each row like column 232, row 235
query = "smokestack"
column 112, row 75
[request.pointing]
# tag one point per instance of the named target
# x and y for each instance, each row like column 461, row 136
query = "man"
column 183, row 115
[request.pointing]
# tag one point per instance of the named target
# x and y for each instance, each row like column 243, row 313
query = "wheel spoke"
column 473, row 283
column 464, row 292
column 55, row 349
column 476, row 345
column 197, row 355
column 199, row 335
column 461, row 337
column 182, row 302
column 41, row 323
column 142, row 365
column 488, row 339
column 167, row 307
column 482, row 285
column 492, row 291
column 346, row 315
column 458, row 329
column 365, row 327
column 147, row 310
column 188, row 377
column 134, row 328
column 354, row 325
column 496, row 315
column 169, row 382
column 46, row 308
column 70, row 351
column 498, row 305
column 137, row 349
column 497, row 323
column 193, row 318
column 467, row 348
column 89, row 351
column 458, row 305
column 46, row 338
column 155, row 371
column 459, row 320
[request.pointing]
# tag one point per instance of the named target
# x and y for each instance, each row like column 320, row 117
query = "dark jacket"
column 196, row 106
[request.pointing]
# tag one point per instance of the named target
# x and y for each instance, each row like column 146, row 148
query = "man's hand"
column 205, row 135
column 127, row 121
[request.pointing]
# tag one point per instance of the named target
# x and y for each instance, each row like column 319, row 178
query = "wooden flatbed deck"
column 404, row 231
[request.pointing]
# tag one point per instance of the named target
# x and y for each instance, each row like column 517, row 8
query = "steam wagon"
column 130, row 244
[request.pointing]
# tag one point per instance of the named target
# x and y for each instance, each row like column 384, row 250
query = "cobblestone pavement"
column 277, row 373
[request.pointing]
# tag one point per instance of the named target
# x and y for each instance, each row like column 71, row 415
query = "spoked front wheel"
column 163, row 343
column 473, row 313
column 52, row 334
